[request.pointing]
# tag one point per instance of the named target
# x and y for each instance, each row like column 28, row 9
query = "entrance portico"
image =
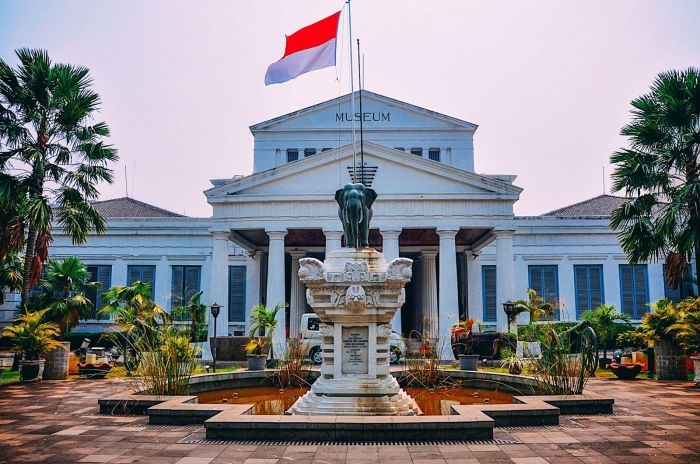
column 279, row 220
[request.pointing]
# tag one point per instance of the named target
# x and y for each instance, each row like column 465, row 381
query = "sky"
column 548, row 82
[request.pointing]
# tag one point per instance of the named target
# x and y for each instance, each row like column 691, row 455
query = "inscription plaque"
column 355, row 350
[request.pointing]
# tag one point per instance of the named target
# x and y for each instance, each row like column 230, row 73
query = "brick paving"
column 56, row 422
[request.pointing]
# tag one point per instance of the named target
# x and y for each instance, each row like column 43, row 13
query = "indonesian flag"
column 308, row 49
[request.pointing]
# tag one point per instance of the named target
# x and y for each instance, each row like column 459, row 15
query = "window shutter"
column 191, row 282
column 134, row 274
column 177, row 287
column 627, row 289
column 489, row 293
column 236, row 293
column 104, row 277
column 535, row 278
column 595, row 274
column 582, row 290
column 640, row 290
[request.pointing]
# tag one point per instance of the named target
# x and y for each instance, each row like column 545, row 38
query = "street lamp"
column 215, row 310
column 509, row 309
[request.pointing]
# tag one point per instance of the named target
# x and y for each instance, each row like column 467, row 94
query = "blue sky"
column 548, row 82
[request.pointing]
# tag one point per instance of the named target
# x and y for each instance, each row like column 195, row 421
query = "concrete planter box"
column 256, row 362
column 468, row 362
column 57, row 362
column 31, row 370
column 670, row 360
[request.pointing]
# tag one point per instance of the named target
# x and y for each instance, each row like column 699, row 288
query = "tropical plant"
column 511, row 361
column 195, row 313
column 292, row 370
column 63, row 293
column 31, row 337
column 256, row 346
column 603, row 319
column 263, row 321
column 688, row 326
column 634, row 339
column 52, row 157
column 462, row 337
column 423, row 369
column 10, row 274
column 535, row 306
column 660, row 173
column 661, row 323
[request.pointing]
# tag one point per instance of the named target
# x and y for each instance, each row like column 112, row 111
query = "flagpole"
column 352, row 97
column 359, row 88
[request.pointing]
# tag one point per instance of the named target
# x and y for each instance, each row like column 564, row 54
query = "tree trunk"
column 28, row 260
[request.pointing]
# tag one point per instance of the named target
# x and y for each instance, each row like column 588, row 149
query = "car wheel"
column 394, row 356
column 315, row 355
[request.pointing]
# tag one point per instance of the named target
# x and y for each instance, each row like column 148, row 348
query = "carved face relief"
column 384, row 330
column 355, row 297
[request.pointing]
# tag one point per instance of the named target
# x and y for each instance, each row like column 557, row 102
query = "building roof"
column 600, row 206
column 126, row 207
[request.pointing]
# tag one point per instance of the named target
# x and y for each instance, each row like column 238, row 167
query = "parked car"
column 311, row 339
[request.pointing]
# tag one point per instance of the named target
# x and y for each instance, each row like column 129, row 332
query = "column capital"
column 297, row 254
column 447, row 233
column 276, row 234
column 390, row 233
column 220, row 234
column 332, row 233
column 503, row 233
column 428, row 254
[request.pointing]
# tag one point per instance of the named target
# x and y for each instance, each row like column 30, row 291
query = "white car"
column 311, row 339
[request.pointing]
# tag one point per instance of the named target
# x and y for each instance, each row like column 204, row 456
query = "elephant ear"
column 340, row 197
column 370, row 196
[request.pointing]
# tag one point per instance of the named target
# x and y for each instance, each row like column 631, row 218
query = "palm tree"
column 264, row 322
column 52, row 156
column 10, row 274
column 64, row 293
column 660, row 173
column 196, row 313
column 603, row 320
column 535, row 306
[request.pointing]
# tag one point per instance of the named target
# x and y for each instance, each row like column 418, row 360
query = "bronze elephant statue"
column 355, row 212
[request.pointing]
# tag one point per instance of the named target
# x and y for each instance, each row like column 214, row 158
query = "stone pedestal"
column 356, row 294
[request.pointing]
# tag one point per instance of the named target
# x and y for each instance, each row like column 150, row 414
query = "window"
column 545, row 281
column 417, row 151
column 292, row 154
column 103, row 275
column 236, row 293
column 313, row 324
column 434, row 154
column 325, row 149
column 309, row 152
column 145, row 274
column 684, row 290
column 185, row 283
column 488, row 292
column 634, row 291
column 588, row 280
column 400, row 148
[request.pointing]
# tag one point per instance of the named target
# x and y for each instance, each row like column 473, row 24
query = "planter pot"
column 468, row 362
column 256, row 362
column 696, row 366
column 57, row 362
column 626, row 371
column 670, row 361
column 31, row 370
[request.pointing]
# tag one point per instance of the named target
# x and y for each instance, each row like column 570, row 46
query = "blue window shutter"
column 588, row 280
column 191, row 282
column 640, row 290
column 488, row 291
column 627, row 289
column 545, row 281
column 177, row 286
column 634, row 289
column 236, row 293
column 145, row 274
column 597, row 287
column 103, row 275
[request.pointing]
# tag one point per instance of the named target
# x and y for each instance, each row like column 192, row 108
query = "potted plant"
column 603, row 319
column 263, row 321
column 256, row 353
column 689, row 331
column 661, row 326
column 510, row 360
column 634, row 341
column 32, row 339
column 462, row 338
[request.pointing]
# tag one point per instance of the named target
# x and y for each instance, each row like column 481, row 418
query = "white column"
column 275, row 286
column 448, row 308
column 297, row 297
column 390, row 250
column 163, row 285
column 252, row 284
column 333, row 240
column 505, row 276
column 218, row 285
column 430, row 295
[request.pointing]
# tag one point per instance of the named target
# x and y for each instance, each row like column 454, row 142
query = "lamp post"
column 509, row 309
column 215, row 309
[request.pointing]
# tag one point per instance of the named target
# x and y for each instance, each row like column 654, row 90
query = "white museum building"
column 470, row 252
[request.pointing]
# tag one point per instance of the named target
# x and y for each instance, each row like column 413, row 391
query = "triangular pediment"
column 395, row 173
column 378, row 113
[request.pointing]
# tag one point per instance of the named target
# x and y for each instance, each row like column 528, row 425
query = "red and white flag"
column 308, row 49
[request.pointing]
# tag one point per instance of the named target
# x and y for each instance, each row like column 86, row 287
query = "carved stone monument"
column 356, row 294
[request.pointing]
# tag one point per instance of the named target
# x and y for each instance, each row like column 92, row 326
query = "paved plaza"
column 57, row 422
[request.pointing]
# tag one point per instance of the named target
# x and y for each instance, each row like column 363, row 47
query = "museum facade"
column 470, row 252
